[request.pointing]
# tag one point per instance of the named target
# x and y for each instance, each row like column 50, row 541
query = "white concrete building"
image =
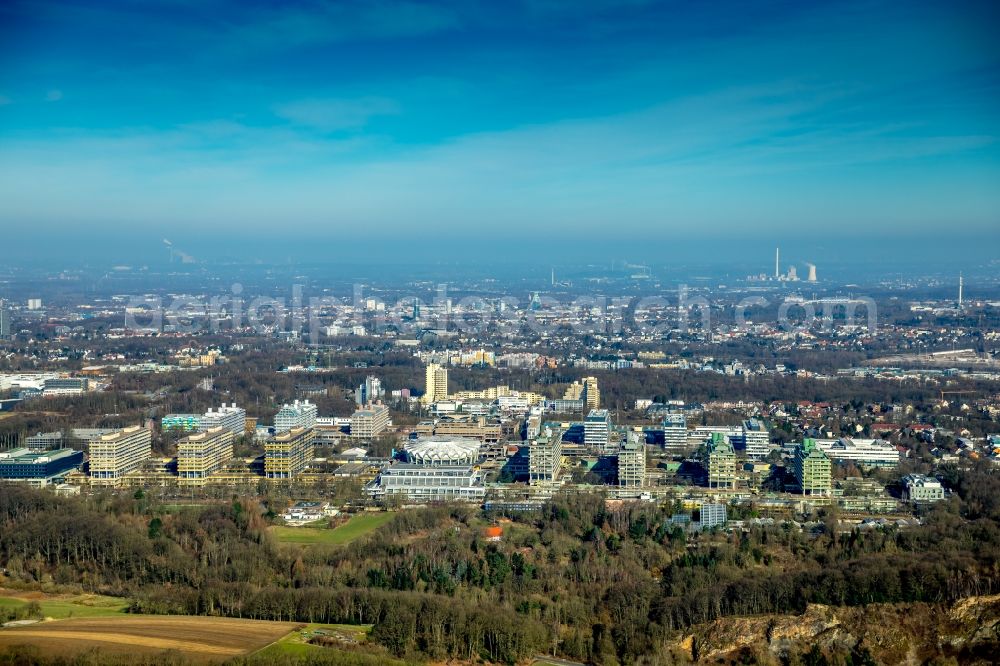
column 544, row 458
column 370, row 421
column 632, row 461
column 867, row 452
column 230, row 417
column 922, row 488
column 437, row 469
column 675, row 432
column 756, row 439
column 295, row 415
column 597, row 430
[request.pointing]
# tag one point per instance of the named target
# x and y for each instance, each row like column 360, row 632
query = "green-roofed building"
column 719, row 460
column 812, row 469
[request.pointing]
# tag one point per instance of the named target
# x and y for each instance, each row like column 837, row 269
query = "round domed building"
column 437, row 469
column 440, row 451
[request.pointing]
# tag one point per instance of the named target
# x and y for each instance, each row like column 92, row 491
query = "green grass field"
column 355, row 528
column 177, row 508
column 296, row 644
column 86, row 605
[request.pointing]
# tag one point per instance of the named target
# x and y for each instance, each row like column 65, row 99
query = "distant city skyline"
column 453, row 124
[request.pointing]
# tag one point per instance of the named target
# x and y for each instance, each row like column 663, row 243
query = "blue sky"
column 534, row 119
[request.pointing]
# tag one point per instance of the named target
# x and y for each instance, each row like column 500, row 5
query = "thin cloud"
column 53, row 96
column 331, row 22
column 336, row 114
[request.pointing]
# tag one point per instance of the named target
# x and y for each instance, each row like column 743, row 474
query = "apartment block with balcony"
column 201, row 455
column 115, row 454
column 288, row 454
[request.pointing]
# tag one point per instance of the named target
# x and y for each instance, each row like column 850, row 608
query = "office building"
column 504, row 395
column 533, row 424
column 115, row 454
column 25, row 380
column 545, row 458
column 863, row 452
column 435, row 384
column 597, row 430
column 288, row 454
column 719, row 460
column 230, row 417
column 712, row 515
column 919, row 488
column 421, row 483
column 203, row 454
column 756, row 439
column 295, row 415
column 38, row 468
column 370, row 421
column 675, row 432
column 369, row 391
column 812, row 469
column 45, row 441
column 632, row 461
column 437, row 470
column 487, row 431
column 5, row 326
column 565, row 406
column 591, row 394
column 188, row 422
column 89, row 434
column 701, row 434
column 65, row 386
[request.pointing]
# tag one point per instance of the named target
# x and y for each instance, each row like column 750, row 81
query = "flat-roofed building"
column 565, row 406
column 756, row 439
column 368, row 392
column 922, row 488
column 711, row 515
column 703, row 434
column 65, row 386
column 414, row 482
column 675, row 432
column 632, row 461
column 370, row 421
column 5, row 328
column 43, row 441
column 288, row 454
column 435, row 384
column 115, row 454
column 230, row 417
column 864, row 452
column 203, row 454
column 812, row 469
column 485, row 430
column 189, row 422
column 545, row 458
column 597, row 430
column 38, row 468
column 586, row 390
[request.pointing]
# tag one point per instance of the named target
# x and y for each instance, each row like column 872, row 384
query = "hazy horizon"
column 417, row 127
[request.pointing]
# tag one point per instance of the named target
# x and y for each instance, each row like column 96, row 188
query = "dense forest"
column 584, row 579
